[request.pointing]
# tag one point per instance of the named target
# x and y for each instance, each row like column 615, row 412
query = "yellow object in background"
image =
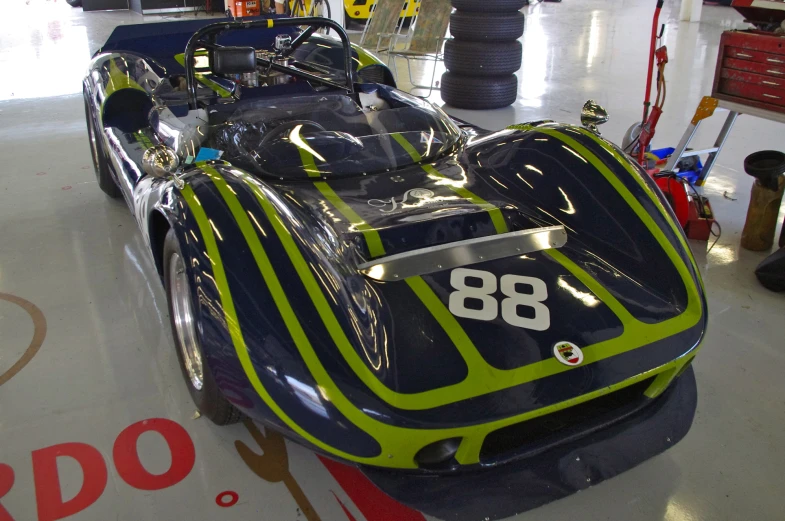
column 359, row 10
column 304, row 8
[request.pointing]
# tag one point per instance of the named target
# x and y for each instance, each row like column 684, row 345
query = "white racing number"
column 510, row 306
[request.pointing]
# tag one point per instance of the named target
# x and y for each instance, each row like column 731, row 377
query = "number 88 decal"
column 489, row 308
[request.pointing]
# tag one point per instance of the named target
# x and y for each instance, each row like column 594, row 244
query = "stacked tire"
column 483, row 54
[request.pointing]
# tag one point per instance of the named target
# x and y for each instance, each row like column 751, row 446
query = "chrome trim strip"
column 463, row 253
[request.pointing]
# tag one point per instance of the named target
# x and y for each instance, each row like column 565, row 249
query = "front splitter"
column 526, row 484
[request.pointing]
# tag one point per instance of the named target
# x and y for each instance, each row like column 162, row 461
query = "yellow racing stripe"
column 321, row 303
column 646, row 188
column 444, row 318
column 636, row 333
column 496, row 214
column 372, row 238
column 399, row 445
column 692, row 294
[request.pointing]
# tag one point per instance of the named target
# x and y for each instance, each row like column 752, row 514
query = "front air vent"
column 549, row 429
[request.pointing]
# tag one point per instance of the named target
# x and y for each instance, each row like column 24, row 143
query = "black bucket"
column 766, row 166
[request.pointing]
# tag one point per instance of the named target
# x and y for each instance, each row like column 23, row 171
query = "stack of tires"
column 483, row 54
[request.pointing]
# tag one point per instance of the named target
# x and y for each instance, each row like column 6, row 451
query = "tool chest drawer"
column 755, row 56
column 760, row 80
column 758, row 68
column 751, row 70
column 754, row 92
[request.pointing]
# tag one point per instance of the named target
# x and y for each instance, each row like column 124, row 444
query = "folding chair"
column 384, row 21
column 425, row 39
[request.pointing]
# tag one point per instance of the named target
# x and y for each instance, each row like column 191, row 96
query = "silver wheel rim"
column 184, row 322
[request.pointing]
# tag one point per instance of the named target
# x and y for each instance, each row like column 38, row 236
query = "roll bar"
column 207, row 35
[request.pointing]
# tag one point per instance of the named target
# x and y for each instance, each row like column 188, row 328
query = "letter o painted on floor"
column 227, row 498
column 130, row 468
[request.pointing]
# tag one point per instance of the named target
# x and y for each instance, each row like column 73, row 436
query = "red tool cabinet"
column 749, row 79
column 751, row 64
column 751, row 70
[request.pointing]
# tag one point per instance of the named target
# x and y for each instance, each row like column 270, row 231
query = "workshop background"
column 88, row 371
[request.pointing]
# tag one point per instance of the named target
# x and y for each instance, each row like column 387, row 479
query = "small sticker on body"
column 568, row 353
column 208, row 154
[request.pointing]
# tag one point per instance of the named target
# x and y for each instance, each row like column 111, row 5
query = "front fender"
column 121, row 85
column 234, row 261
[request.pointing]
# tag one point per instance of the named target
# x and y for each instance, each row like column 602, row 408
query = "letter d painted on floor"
column 48, row 495
column 6, row 482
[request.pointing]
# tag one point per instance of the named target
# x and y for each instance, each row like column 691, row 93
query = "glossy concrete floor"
column 106, row 361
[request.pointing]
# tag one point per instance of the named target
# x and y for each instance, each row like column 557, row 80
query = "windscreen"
column 333, row 135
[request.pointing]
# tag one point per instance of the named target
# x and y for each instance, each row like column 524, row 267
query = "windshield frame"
column 337, row 137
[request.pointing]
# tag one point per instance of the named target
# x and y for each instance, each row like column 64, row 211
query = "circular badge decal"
column 419, row 193
column 568, row 353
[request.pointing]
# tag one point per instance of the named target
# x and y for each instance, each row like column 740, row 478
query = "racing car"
column 393, row 287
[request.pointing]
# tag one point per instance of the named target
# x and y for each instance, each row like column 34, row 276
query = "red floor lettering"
column 48, row 495
column 345, row 510
column 130, row 468
column 222, row 501
column 374, row 504
column 6, row 482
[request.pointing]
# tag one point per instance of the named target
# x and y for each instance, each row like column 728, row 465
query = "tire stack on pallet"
column 483, row 54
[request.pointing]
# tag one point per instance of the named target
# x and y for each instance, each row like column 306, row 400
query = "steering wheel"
column 288, row 126
column 206, row 38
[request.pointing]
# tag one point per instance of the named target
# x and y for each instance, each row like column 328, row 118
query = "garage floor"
column 75, row 279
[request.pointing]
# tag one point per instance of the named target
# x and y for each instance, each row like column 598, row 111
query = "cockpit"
column 271, row 114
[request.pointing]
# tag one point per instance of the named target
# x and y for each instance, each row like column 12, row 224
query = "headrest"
column 232, row 60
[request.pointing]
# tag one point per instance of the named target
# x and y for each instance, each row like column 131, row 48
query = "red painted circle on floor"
column 221, row 501
column 40, row 173
column 66, row 188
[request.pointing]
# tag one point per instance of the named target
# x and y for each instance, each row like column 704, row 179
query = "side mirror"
column 592, row 114
column 159, row 161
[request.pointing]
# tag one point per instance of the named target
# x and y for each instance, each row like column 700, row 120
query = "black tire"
column 106, row 182
column 483, row 92
column 481, row 58
column 209, row 400
column 486, row 27
column 489, row 6
column 74, row 3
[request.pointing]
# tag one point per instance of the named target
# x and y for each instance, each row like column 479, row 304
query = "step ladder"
column 706, row 109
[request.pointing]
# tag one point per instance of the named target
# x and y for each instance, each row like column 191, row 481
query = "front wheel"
column 205, row 393
column 106, row 182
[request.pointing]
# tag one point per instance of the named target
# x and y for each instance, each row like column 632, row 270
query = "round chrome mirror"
column 593, row 114
column 159, row 161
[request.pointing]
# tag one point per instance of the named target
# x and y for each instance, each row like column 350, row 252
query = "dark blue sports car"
column 391, row 286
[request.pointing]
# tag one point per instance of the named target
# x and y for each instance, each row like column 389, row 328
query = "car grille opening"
column 549, row 428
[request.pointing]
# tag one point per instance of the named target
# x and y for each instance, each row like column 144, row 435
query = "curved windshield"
column 332, row 135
